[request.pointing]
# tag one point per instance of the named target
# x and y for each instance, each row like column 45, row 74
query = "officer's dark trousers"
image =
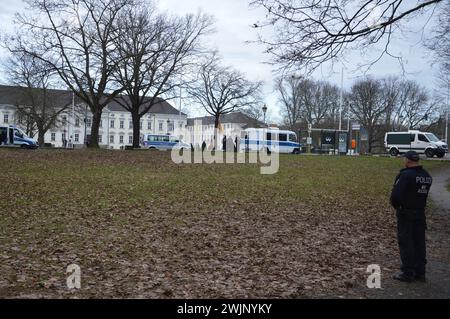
column 411, row 227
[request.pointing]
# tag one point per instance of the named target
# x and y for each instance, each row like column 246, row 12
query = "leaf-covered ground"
column 140, row 226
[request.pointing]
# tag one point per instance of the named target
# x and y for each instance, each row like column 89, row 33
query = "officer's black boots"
column 403, row 277
column 420, row 278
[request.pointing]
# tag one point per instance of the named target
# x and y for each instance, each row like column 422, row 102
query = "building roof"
column 16, row 95
column 13, row 95
column 161, row 107
column 236, row 118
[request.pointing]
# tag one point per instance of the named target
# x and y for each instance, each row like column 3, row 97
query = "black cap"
column 413, row 156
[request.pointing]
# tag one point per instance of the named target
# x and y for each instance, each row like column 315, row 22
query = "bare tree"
column 76, row 40
column 311, row 32
column 221, row 90
column 255, row 112
column 440, row 42
column 368, row 106
column 290, row 100
column 321, row 102
column 154, row 52
column 413, row 107
column 313, row 102
column 36, row 102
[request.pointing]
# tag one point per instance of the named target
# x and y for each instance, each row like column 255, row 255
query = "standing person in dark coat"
column 409, row 198
column 224, row 143
column 203, row 146
column 230, row 145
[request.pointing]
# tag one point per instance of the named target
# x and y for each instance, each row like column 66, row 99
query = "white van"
column 421, row 142
column 13, row 136
column 163, row 142
column 270, row 140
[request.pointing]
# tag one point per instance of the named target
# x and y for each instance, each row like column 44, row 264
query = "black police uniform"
column 409, row 197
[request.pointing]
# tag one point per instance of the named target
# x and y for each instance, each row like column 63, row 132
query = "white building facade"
column 73, row 127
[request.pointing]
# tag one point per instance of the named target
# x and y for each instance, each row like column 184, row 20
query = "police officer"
column 409, row 198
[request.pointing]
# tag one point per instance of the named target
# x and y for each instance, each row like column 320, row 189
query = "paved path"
column 439, row 192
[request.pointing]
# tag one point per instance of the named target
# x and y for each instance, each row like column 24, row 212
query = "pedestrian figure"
column 224, row 143
column 230, row 144
column 409, row 198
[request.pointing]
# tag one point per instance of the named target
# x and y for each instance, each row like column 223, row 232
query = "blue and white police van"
column 163, row 142
column 269, row 140
column 12, row 136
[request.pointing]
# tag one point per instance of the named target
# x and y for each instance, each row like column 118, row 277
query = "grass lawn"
column 140, row 226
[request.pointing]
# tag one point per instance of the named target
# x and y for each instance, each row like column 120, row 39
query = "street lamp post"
column 264, row 109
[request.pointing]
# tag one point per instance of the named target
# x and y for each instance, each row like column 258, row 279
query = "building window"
column 121, row 139
column 112, row 123
column 149, row 125
column 130, row 139
column 122, row 124
column 161, row 126
column 131, row 125
column 53, row 137
column 88, row 122
column 77, row 138
column 101, row 123
column 100, row 138
column 170, row 126
column 77, row 122
column 64, row 120
column 140, row 125
column 6, row 118
column 181, row 125
column 111, row 139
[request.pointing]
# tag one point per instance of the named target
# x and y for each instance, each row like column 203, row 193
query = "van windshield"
column 19, row 133
column 432, row 137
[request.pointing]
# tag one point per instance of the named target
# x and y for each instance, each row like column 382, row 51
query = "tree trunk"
column 41, row 136
column 93, row 142
column 136, row 129
column 216, row 131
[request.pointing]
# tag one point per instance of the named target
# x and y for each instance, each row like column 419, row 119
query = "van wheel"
column 394, row 152
column 429, row 153
column 296, row 151
column 441, row 155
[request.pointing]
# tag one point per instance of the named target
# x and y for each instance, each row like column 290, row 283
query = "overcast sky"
column 233, row 25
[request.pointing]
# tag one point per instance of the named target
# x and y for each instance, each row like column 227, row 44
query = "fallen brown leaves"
column 140, row 226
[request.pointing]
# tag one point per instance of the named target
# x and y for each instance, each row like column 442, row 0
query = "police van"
column 269, row 140
column 163, row 142
column 421, row 142
column 12, row 136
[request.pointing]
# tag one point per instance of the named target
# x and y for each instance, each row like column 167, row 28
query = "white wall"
column 74, row 127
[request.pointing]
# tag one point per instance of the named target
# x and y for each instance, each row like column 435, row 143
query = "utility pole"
column 341, row 99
